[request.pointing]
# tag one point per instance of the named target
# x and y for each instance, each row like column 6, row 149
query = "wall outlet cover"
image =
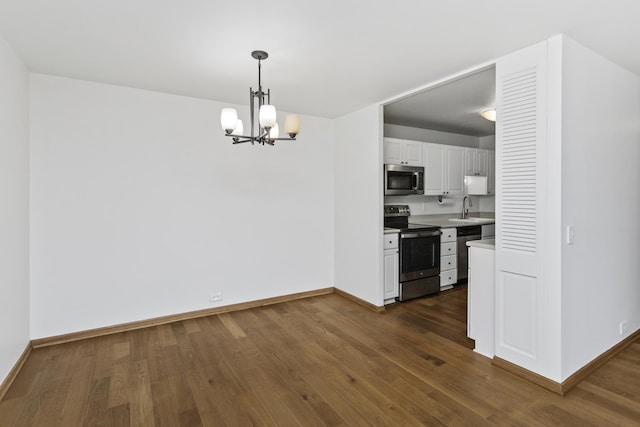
column 624, row 328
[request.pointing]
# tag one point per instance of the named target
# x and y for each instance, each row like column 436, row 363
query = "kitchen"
column 439, row 194
column 439, row 185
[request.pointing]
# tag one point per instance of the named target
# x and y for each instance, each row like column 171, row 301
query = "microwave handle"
column 415, row 180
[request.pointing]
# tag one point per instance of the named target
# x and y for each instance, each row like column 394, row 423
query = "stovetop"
column 397, row 216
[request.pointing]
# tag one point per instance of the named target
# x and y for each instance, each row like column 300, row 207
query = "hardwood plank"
column 232, row 326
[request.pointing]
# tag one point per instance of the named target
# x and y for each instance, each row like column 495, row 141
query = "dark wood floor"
column 317, row 361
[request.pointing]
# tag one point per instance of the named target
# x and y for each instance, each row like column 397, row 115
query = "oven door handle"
column 420, row 234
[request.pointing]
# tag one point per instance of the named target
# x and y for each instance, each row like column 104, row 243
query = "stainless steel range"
column 419, row 253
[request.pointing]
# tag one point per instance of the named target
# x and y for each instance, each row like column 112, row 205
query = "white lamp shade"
column 239, row 128
column 228, row 119
column 489, row 114
column 274, row 132
column 267, row 116
column 292, row 124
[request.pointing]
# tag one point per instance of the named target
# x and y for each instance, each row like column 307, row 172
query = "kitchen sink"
column 474, row 220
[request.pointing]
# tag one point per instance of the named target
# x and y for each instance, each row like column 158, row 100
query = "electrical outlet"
column 215, row 296
column 624, row 328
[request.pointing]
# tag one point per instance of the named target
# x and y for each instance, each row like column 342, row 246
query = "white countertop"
column 485, row 244
column 444, row 220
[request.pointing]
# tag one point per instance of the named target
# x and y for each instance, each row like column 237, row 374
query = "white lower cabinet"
column 391, row 268
column 448, row 258
column 449, row 262
column 481, row 305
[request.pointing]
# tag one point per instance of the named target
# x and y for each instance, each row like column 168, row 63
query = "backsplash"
column 428, row 205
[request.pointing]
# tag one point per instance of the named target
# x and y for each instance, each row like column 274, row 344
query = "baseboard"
column 124, row 327
column 573, row 380
column 527, row 375
column 596, row 363
column 4, row 387
column 358, row 301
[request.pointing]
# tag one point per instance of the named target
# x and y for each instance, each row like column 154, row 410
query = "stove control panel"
column 396, row 210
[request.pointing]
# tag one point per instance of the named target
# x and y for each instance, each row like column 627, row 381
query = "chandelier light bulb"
column 228, row 119
column 239, row 128
column 292, row 125
column 267, row 116
column 274, row 133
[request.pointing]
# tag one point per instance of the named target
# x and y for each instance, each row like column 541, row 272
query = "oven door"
column 419, row 254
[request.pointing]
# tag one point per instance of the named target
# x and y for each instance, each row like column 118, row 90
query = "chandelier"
column 268, row 130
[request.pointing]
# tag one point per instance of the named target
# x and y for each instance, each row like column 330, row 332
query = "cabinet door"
column 470, row 161
column 481, row 162
column 413, row 153
column 391, row 273
column 402, row 152
column 454, row 169
column 491, row 172
column 434, row 167
column 393, row 152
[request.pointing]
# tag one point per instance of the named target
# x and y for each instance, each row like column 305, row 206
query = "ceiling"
column 452, row 107
column 327, row 58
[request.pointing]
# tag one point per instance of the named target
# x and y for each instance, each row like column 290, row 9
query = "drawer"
column 448, row 235
column 448, row 277
column 447, row 262
column 391, row 241
column 448, row 248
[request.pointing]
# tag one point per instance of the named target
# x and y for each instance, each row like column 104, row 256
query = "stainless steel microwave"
column 401, row 180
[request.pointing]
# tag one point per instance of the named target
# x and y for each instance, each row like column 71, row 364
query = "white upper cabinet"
column 454, row 167
column 402, row 152
column 444, row 167
column 475, row 162
column 482, row 158
column 434, row 169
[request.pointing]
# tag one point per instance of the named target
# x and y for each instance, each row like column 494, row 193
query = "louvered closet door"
column 521, row 89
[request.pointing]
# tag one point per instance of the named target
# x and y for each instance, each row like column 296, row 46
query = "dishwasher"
column 465, row 234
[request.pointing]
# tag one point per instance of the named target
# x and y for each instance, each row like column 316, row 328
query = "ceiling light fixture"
column 268, row 130
column 489, row 114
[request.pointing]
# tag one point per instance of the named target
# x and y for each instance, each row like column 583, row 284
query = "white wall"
column 14, row 213
column 487, row 204
column 358, row 204
column 601, row 199
column 487, row 142
column 140, row 207
column 428, row 135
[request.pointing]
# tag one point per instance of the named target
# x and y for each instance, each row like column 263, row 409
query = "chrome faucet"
column 465, row 212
